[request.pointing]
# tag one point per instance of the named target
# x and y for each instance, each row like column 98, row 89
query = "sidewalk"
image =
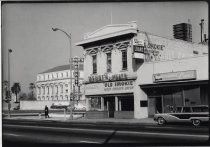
column 80, row 119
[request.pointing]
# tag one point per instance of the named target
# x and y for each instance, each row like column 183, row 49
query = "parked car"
column 184, row 114
column 16, row 108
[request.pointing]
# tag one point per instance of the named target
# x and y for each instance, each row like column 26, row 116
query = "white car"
column 184, row 114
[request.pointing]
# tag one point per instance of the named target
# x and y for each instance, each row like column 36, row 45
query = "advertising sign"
column 110, row 87
column 174, row 76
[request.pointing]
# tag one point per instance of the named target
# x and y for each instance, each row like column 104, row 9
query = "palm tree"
column 32, row 87
column 16, row 89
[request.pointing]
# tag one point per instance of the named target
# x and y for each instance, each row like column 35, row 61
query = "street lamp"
column 9, row 95
column 69, row 37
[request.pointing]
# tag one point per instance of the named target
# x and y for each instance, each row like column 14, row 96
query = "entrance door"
column 111, row 108
column 154, row 105
column 110, row 105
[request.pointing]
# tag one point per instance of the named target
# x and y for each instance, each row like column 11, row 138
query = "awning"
column 172, row 84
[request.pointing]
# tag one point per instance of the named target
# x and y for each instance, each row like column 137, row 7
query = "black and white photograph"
column 104, row 73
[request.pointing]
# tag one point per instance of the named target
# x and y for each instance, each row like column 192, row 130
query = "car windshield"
column 200, row 109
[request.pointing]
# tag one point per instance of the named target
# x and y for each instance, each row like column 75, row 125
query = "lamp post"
column 9, row 95
column 69, row 37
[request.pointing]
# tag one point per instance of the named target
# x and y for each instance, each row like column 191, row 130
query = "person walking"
column 46, row 111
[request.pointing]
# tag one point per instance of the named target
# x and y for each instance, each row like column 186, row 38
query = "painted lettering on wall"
column 152, row 52
column 101, row 78
column 119, row 85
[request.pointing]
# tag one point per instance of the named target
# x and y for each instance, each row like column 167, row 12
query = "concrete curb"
column 87, row 121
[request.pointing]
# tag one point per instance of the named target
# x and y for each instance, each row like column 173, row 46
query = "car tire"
column 161, row 121
column 196, row 122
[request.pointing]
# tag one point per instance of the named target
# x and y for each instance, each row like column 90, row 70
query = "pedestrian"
column 46, row 111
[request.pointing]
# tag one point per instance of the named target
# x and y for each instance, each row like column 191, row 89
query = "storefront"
column 133, row 74
column 110, row 99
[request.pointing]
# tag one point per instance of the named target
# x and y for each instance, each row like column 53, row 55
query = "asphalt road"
column 22, row 131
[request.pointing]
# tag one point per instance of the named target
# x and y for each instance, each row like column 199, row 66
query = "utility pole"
column 9, row 93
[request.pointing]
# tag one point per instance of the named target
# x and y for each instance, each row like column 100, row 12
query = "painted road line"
column 165, row 134
column 8, row 134
column 55, row 128
column 89, row 142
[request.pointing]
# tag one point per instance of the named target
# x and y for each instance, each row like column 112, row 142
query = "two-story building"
column 130, row 73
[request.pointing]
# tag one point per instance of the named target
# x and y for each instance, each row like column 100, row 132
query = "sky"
column 26, row 29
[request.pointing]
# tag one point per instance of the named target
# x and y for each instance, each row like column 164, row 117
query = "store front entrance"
column 109, row 103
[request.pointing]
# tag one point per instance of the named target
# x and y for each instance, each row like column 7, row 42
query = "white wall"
column 37, row 105
column 146, row 71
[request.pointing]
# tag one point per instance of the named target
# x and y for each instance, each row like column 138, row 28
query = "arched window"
column 56, row 87
column 61, row 97
column 48, row 90
column 43, row 88
column 61, row 88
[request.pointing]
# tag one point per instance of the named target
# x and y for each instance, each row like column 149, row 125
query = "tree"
column 16, row 89
column 31, row 88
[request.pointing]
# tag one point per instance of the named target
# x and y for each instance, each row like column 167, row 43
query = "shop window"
column 94, row 64
column 204, row 95
column 192, row 96
column 95, row 103
column 127, row 104
column 109, row 62
column 124, row 60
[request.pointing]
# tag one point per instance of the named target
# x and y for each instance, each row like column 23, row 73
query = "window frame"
column 107, row 62
column 94, row 64
column 123, row 59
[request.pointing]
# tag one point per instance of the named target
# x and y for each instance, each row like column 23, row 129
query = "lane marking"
column 11, row 134
column 165, row 134
column 88, row 142
column 111, row 131
column 70, row 129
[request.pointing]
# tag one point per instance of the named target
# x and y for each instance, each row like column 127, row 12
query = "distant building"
column 183, row 31
column 53, row 87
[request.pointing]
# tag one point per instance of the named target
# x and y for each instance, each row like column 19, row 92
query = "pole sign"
column 76, row 61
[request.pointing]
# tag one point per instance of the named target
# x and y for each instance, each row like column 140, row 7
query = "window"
column 94, row 64
column 109, row 62
column 124, row 60
column 61, row 88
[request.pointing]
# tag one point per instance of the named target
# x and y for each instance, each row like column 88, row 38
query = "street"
column 25, row 131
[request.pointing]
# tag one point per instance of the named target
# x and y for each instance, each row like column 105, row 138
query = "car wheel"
column 161, row 121
column 196, row 122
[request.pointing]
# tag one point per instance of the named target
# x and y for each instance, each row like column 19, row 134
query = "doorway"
column 110, row 106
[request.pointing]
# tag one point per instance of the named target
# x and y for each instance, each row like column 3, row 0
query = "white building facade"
column 53, row 88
